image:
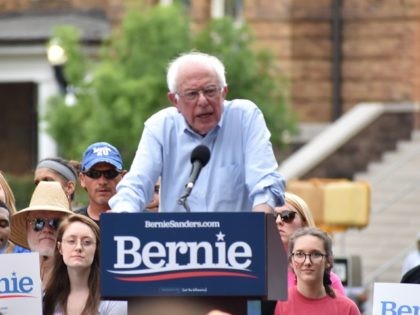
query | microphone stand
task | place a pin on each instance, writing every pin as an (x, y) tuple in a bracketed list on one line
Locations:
[(199, 158), (183, 201)]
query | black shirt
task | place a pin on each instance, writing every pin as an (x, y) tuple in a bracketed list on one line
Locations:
[(83, 211)]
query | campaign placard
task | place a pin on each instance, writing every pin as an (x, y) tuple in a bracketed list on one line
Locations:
[(20, 284), (396, 298), (183, 254)]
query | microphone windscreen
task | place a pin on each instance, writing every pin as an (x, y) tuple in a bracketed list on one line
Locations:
[(200, 153)]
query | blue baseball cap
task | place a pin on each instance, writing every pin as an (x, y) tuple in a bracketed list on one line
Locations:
[(101, 152)]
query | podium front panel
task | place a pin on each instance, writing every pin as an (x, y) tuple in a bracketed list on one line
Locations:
[(183, 254)]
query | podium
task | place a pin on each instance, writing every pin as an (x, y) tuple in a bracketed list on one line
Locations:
[(191, 263)]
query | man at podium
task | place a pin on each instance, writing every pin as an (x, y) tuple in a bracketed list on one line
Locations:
[(219, 147)]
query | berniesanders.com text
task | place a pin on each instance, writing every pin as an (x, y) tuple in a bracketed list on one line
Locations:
[(180, 224)]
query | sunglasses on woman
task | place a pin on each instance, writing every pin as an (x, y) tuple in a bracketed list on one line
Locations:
[(39, 223), (287, 216)]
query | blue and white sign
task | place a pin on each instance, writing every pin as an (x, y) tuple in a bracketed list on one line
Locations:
[(183, 254), (20, 284), (396, 298)]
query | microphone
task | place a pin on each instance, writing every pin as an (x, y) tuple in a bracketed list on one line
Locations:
[(199, 158)]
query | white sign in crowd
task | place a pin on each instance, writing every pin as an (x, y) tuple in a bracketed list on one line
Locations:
[(20, 284), (396, 299)]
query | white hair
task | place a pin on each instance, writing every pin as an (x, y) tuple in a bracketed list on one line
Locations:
[(193, 57)]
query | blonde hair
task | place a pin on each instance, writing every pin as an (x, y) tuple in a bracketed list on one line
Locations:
[(301, 207), (10, 200)]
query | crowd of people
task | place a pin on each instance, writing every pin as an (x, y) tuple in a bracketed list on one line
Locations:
[(241, 175)]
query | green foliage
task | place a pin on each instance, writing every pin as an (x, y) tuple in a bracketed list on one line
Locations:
[(127, 84), (22, 187), (125, 87)]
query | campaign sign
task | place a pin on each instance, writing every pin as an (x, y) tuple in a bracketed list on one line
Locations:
[(396, 298), (20, 284), (182, 254)]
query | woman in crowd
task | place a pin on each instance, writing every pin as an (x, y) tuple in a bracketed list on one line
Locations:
[(58, 170), (6, 246), (74, 286), (293, 215), (7, 209), (310, 257), (6, 194)]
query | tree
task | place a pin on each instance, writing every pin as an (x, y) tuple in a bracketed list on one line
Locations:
[(119, 91)]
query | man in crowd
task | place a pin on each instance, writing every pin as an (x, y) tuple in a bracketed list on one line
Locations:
[(35, 227), (101, 171)]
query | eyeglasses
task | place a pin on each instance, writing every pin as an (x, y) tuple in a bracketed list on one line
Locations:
[(39, 223), (287, 216), (314, 257), (208, 92), (108, 174), (85, 243)]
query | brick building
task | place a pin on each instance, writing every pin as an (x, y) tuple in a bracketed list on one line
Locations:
[(369, 47), (336, 53)]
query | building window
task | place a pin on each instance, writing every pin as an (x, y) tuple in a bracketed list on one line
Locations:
[(185, 3), (221, 8), (234, 8)]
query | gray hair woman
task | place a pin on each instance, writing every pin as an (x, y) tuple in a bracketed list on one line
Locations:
[(58, 170)]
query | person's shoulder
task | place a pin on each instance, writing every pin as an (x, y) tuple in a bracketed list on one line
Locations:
[(14, 249), (82, 210), (113, 307), (167, 113), (19, 249), (336, 283), (292, 291), (240, 104), (241, 109), (345, 300), (164, 120), (413, 253)]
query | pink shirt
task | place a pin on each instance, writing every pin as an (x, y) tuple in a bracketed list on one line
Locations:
[(299, 304)]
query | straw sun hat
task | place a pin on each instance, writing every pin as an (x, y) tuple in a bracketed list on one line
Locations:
[(47, 196)]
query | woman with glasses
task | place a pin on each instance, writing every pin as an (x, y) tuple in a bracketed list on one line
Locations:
[(74, 285), (35, 227), (293, 215), (310, 257)]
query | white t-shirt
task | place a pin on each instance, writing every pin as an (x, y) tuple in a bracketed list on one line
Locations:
[(107, 308), (412, 260)]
